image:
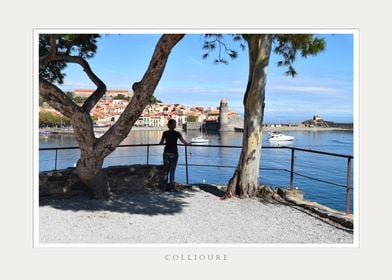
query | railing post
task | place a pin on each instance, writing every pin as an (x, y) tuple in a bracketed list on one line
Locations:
[(292, 169), (55, 161), (348, 186), (186, 164), (148, 152)]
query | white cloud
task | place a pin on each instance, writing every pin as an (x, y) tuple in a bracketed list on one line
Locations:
[(312, 84), (197, 62), (306, 108), (239, 82), (305, 89), (70, 85), (201, 90)]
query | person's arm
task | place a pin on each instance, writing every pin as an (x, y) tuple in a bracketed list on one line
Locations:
[(162, 139), (183, 140)]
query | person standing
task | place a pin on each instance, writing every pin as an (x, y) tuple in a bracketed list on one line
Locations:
[(170, 154)]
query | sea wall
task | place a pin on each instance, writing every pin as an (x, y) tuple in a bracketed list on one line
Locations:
[(192, 125), (65, 183)]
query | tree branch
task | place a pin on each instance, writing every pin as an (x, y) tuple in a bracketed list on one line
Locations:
[(57, 98), (45, 59), (93, 99)]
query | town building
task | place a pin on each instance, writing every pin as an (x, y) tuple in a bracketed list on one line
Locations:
[(109, 92), (109, 109)]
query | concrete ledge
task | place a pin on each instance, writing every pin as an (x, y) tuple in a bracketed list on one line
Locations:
[(321, 210), (295, 197)]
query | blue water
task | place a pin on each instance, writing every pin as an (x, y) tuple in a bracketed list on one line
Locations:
[(323, 167)]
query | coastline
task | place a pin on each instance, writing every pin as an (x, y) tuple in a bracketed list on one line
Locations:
[(266, 128), (290, 128)]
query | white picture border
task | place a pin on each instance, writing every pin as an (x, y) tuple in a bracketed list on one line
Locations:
[(21, 260)]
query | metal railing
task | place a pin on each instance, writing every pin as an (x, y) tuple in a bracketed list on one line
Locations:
[(348, 181), (292, 172)]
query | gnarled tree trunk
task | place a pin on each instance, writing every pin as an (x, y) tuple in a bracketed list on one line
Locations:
[(245, 179), (93, 150)]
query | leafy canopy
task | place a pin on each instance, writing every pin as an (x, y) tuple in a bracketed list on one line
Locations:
[(288, 46), (83, 45)]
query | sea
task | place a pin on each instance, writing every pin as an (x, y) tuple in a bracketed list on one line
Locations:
[(322, 178)]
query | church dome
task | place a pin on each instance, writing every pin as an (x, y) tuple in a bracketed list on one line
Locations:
[(223, 101)]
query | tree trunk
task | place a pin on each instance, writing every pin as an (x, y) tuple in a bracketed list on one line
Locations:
[(245, 180), (89, 171), (89, 166)]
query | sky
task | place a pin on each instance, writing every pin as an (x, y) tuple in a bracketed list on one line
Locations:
[(323, 86)]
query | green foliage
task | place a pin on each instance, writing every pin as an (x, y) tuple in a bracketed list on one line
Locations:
[(154, 100), (288, 46), (41, 100), (214, 42), (53, 72), (121, 97), (69, 94), (48, 119), (79, 99), (191, 119), (83, 45)]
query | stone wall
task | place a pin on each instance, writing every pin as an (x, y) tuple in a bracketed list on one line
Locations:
[(65, 183), (193, 126)]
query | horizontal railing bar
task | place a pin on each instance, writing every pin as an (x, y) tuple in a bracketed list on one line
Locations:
[(269, 169), (58, 148), (208, 165), (319, 152), (319, 180), (229, 146), (144, 145), (120, 146), (211, 146), (231, 166), (214, 146), (274, 169)]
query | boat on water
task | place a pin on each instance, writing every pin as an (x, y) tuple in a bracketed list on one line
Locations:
[(201, 139), (44, 134), (276, 136)]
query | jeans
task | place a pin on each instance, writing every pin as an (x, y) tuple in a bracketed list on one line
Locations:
[(169, 168)]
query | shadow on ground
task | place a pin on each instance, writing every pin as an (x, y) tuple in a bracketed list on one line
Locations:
[(219, 193), (145, 203), (211, 189)]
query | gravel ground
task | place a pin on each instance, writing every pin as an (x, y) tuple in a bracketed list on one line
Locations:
[(189, 216)]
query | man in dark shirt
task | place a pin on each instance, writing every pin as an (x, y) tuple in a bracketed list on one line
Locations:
[(170, 154)]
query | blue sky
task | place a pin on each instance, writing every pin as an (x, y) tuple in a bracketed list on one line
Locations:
[(323, 86)]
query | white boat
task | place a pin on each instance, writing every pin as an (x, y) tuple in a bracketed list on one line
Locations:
[(199, 139), (275, 136), (44, 134)]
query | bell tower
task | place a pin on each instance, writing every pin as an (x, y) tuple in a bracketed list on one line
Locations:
[(223, 115)]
